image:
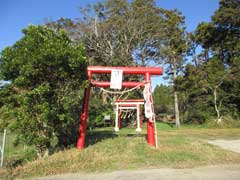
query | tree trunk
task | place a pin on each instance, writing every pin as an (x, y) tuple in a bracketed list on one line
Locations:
[(95, 26), (219, 119), (176, 109), (186, 116), (177, 121)]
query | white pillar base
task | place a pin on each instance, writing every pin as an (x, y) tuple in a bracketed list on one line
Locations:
[(116, 129), (139, 129)]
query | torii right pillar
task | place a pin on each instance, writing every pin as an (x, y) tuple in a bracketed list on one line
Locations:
[(150, 123)]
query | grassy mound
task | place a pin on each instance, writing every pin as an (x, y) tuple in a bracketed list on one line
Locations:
[(107, 151)]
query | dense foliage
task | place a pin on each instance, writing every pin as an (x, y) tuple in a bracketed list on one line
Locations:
[(46, 71), (163, 99), (210, 86)]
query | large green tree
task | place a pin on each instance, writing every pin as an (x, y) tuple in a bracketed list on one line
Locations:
[(135, 33), (202, 93), (119, 33), (216, 69), (175, 52), (221, 35), (46, 71), (221, 38)]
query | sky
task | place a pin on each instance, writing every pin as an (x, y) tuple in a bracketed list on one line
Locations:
[(18, 14)]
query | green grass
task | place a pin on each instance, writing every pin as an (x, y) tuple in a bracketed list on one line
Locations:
[(108, 151), (16, 154), (10, 149)]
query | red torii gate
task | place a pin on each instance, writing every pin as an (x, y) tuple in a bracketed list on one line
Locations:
[(146, 71)]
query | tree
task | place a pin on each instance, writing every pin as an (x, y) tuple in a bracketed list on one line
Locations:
[(221, 35), (210, 85), (163, 99), (220, 38), (215, 76), (125, 33), (175, 50), (193, 99), (119, 33), (72, 28), (46, 70), (136, 33), (202, 87)]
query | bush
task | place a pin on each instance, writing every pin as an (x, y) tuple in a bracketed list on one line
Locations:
[(27, 155), (226, 122), (46, 70), (97, 111)]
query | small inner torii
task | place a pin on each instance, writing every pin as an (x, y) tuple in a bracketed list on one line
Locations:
[(147, 93), (128, 104)]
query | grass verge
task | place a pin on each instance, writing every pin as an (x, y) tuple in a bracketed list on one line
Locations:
[(107, 151)]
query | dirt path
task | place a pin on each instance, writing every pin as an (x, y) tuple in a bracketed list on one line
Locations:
[(232, 145), (228, 172)]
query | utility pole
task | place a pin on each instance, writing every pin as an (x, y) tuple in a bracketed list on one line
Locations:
[(2, 148)]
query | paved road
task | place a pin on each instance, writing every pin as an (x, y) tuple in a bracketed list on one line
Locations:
[(232, 145), (228, 172)]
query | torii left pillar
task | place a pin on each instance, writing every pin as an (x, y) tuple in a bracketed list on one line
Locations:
[(83, 119)]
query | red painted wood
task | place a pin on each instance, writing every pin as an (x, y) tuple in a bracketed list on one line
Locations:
[(83, 120), (124, 84), (150, 124), (126, 70)]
